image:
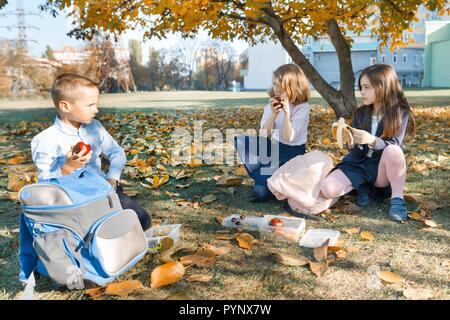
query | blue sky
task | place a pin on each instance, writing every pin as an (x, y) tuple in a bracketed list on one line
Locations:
[(53, 31)]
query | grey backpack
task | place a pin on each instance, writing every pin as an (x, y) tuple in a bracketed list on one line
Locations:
[(73, 229)]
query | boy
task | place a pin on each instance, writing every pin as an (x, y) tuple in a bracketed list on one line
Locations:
[(75, 98)]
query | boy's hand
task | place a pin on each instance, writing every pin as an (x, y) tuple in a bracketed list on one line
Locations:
[(113, 182), (75, 161)]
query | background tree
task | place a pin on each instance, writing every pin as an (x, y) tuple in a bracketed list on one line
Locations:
[(258, 20), (223, 59), (190, 51), (3, 3), (48, 53), (135, 51)]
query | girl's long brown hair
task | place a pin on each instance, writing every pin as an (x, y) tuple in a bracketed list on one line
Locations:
[(291, 78), (390, 95)]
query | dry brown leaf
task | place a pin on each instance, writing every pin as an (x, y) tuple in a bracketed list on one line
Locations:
[(351, 208), (418, 294), (159, 181), (419, 167), (123, 288), (334, 248), (412, 197), (166, 274), (353, 230), (209, 198), (225, 181), (130, 192), (245, 241), (416, 216), (341, 254), (179, 246), (172, 194), (179, 174), (289, 259), (229, 190), (202, 259), (318, 268), (218, 219), (165, 244), (389, 277), (14, 196), (95, 292), (219, 248), (227, 236), (321, 253), (431, 205), (366, 235), (16, 160), (15, 183), (352, 249), (430, 223), (240, 171), (200, 278), (133, 152), (182, 186)]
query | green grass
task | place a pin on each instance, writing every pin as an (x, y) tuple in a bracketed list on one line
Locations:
[(416, 253), (13, 110)]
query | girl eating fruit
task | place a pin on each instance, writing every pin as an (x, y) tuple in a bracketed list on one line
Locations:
[(375, 165), (285, 119)]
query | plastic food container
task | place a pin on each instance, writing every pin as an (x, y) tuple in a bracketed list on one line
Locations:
[(155, 234), (251, 223), (314, 238), (292, 228)]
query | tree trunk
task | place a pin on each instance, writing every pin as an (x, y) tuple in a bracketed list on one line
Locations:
[(346, 74), (342, 101)]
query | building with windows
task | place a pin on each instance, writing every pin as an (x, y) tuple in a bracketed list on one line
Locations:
[(437, 48), (408, 61)]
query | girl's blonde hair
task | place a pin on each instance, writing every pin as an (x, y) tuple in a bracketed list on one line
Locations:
[(292, 80), (389, 93)]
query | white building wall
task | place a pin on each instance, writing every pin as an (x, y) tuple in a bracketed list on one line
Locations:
[(263, 60)]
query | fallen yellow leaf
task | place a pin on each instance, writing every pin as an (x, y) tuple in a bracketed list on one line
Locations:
[(389, 277), (166, 274), (318, 268), (366, 235), (245, 241), (353, 230), (200, 278), (123, 288), (289, 259)]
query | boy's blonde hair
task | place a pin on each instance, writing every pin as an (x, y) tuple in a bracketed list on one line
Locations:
[(65, 85), (291, 78)]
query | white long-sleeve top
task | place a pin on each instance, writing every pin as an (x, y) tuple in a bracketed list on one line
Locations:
[(49, 149), (299, 120)]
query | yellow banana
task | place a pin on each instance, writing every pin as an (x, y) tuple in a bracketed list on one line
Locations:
[(337, 130)]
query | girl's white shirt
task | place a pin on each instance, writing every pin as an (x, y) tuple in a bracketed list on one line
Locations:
[(375, 121), (299, 120)]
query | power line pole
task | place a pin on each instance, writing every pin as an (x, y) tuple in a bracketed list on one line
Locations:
[(21, 42)]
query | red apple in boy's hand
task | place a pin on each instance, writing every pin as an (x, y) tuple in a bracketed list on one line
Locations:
[(275, 222), (79, 146)]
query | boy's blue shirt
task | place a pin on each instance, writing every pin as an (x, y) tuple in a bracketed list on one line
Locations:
[(50, 147)]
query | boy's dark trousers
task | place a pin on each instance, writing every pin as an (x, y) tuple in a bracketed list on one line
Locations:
[(128, 203)]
